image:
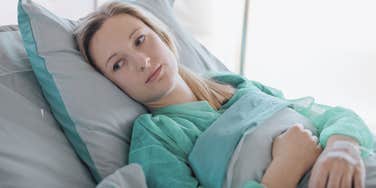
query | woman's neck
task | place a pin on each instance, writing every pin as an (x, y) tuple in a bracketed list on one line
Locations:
[(181, 93)]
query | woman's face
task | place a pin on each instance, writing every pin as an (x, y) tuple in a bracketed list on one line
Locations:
[(134, 57)]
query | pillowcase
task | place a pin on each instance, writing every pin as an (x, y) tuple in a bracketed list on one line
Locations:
[(127, 176), (33, 150), (95, 115)]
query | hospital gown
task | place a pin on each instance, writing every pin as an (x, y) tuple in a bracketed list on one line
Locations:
[(162, 140)]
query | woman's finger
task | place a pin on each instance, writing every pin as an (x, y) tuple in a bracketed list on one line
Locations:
[(358, 179), (299, 125), (334, 180), (315, 139), (318, 177), (309, 132), (347, 180)]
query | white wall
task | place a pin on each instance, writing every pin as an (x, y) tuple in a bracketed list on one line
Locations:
[(8, 12), (72, 9), (216, 24), (322, 48)]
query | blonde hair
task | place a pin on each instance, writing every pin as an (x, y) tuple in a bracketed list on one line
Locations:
[(204, 89)]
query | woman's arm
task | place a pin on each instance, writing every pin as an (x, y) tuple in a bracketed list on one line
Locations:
[(342, 135), (293, 153), (277, 175), (340, 165), (162, 168), (334, 138), (329, 120)]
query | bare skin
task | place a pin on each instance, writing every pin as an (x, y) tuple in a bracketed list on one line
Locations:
[(136, 52), (339, 166), (294, 152)]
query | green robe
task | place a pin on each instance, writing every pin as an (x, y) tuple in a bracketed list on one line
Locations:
[(161, 141)]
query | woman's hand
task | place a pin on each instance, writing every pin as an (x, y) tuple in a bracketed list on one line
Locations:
[(297, 145), (295, 150), (339, 166)]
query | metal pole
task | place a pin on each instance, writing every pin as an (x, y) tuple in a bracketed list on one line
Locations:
[(95, 4), (244, 37)]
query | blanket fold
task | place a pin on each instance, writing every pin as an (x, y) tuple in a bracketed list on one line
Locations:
[(213, 150)]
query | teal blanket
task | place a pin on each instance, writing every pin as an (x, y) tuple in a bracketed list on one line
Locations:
[(214, 148), (236, 149), (172, 140)]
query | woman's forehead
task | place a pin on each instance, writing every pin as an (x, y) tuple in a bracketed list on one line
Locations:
[(122, 22), (114, 31), (117, 27)]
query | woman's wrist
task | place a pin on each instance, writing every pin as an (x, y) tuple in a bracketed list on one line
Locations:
[(341, 141), (275, 175)]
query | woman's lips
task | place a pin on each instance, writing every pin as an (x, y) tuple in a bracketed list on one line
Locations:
[(154, 75)]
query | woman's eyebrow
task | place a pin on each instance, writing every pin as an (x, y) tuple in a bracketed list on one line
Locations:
[(114, 54), (108, 60), (133, 32)]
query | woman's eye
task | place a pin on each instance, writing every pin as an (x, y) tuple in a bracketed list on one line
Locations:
[(117, 65), (140, 40)]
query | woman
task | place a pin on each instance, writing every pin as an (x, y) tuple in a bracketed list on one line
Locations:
[(135, 51)]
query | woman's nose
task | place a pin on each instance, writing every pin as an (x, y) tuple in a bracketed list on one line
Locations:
[(141, 62)]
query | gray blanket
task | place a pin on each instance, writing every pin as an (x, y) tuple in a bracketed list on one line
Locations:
[(253, 153)]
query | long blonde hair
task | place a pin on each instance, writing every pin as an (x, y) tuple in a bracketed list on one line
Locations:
[(204, 89)]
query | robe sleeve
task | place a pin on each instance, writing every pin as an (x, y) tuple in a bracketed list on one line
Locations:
[(253, 184), (328, 120), (162, 168)]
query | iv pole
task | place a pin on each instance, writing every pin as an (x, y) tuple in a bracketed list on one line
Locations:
[(244, 37)]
